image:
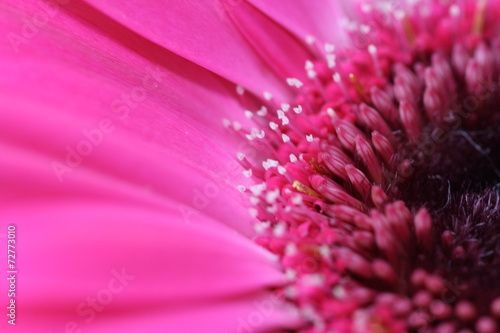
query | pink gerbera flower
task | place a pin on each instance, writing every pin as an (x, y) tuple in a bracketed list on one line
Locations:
[(365, 143)]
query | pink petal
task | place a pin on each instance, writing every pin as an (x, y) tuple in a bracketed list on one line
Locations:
[(140, 267), (282, 51), (317, 18), (162, 149), (200, 32)]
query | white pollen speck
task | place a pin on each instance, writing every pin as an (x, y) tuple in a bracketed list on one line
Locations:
[(330, 112), (285, 121), (255, 133), (290, 249), (279, 229), (247, 173), (267, 95), (262, 111), (254, 200), (253, 212), (339, 292), (281, 114), (290, 274), (260, 227), (372, 49), (236, 126), (285, 107), (258, 189), (309, 67), (364, 29), (271, 196), (366, 8), (273, 125), (349, 25), (226, 122), (285, 138), (297, 200), (240, 156), (297, 109), (313, 279), (240, 90), (273, 163), (241, 188), (329, 47), (337, 78), (309, 138), (331, 60), (325, 251), (248, 114), (454, 10), (293, 158), (399, 14), (293, 82), (272, 209), (281, 170), (310, 39)]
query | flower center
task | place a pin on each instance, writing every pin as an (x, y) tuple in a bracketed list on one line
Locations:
[(378, 190)]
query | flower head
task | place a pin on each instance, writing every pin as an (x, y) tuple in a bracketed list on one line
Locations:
[(378, 189), (369, 156)]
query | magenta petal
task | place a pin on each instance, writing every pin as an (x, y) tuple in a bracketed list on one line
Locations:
[(106, 266), (200, 32), (320, 19), (159, 146), (285, 54)]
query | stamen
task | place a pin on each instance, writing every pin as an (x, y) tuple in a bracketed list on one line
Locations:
[(479, 18), (240, 90), (267, 95), (357, 85), (305, 189), (372, 49), (408, 30)]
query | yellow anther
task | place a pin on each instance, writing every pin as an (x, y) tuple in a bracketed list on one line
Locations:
[(408, 30), (316, 165), (479, 18), (358, 86), (305, 189)]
